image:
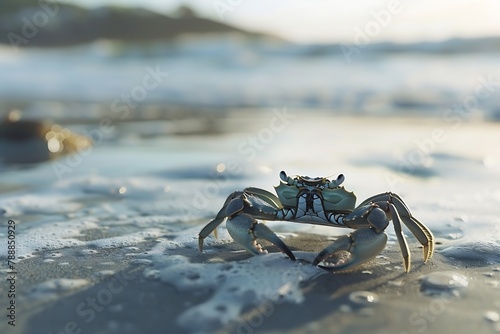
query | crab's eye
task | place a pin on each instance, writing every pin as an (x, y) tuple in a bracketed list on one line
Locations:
[(337, 182), (283, 176)]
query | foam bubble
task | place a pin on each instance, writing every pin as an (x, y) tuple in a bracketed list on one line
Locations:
[(131, 239), (49, 236), (443, 283), (236, 285), (474, 253), (141, 262), (363, 298), (37, 204), (189, 238), (87, 252)]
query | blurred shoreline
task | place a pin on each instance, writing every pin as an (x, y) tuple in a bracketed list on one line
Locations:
[(217, 73), (84, 112)]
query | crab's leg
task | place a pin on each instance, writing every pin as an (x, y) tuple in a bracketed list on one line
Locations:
[(419, 230), (266, 196), (244, 229), (233, 204), (396, 221), (209, 228)]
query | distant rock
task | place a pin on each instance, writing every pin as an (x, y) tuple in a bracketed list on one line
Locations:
[(63, 25)]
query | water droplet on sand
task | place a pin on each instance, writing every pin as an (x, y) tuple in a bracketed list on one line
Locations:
[(454, 236), (443, 283), (396, 283), (363, 298), (492, 316), (473, 253), (493, 283)]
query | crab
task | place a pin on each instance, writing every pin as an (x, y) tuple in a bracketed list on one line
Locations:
[(320, 201)]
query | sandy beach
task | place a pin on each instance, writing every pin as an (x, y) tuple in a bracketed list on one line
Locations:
[(119, 296), (115, 251)]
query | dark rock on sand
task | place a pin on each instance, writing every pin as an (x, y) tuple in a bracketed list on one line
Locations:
[(32, 141)]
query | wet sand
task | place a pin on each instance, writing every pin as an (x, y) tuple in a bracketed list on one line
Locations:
[(123, 300), (93, 260)]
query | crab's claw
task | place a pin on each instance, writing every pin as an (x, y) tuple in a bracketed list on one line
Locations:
[(362, 245), (244, 229)]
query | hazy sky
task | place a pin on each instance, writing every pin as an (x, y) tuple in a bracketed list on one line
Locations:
[(343, 20)]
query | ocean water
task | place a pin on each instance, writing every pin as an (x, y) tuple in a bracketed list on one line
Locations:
[(232, 117), (236, 72)]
